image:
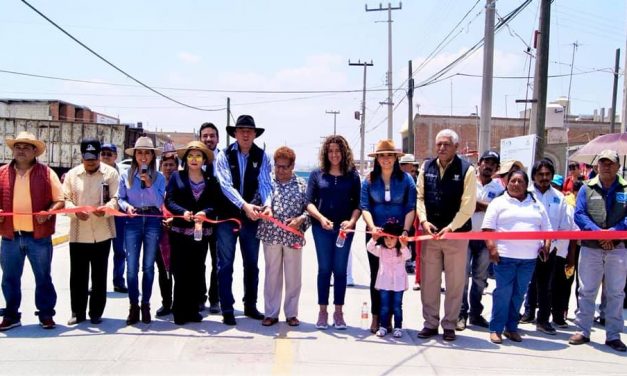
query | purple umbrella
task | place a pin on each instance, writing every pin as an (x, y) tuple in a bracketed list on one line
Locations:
[(613, 141)]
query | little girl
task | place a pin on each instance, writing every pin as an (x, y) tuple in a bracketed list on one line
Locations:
[(392, 277)]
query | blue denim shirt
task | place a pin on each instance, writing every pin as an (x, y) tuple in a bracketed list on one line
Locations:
[(138, 197), (402, 199), (583, 220)]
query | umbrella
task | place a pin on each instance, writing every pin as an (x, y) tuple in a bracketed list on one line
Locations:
[(613, 141)]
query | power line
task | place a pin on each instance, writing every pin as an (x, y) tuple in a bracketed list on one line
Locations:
[(113, 65)]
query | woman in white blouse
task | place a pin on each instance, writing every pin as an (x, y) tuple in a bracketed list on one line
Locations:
[(515, 210)]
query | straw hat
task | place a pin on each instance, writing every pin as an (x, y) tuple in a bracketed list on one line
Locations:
[(408, 159), (27, 138), (508, 165), (196, 145), (385, 147), (143, 143)]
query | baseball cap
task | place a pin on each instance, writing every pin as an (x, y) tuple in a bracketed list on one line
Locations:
[(490, 154), (558, 180), (612, 155), (111, 147), (90, 148)]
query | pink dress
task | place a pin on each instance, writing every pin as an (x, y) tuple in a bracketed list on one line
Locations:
[(392, 275)]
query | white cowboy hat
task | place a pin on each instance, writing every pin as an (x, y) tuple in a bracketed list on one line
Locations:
[(143, 143), (27, 138)]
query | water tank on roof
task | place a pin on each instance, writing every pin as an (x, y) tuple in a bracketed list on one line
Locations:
[(554, 116)]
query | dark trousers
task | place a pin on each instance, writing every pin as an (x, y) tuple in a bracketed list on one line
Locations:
[(119, 253), (187, 258), (539, 291), (165, 282), (84, 256), (375, 296), (391, 303), (561, 289), (214, 294)]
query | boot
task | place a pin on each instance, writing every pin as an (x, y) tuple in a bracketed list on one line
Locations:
[(133, 315), (146, 313)]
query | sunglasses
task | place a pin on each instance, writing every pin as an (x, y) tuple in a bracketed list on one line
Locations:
[(194, 157)]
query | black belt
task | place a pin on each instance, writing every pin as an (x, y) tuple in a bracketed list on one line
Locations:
[(148, 210), (23, 233)]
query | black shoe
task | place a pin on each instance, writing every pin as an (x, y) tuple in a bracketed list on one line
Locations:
[(527, 318), (96, 320), (201, 307), (461, 324), (253, 313), (214, 308), (560, 323), (546, 327), (76, 319), (600, 320), (616, 344), (228, 319), (427, 332), (196, 317), (163, 311), (479, 321), (449, 335), (120, 289)]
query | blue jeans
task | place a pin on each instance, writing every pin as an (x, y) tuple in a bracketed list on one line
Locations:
[(512, 278), (477, 269), (596, 265), (331, 260), (39, 253), (249, 246), (146, 231), (119, 254), (391, 303)]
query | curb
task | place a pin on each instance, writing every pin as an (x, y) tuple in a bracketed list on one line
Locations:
[(60, 239)]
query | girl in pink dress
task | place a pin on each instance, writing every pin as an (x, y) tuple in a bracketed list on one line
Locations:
[(391, 281)]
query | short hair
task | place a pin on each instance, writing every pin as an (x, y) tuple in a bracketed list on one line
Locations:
[(285, 153), (209, 125), (540, 164), (450, 134)]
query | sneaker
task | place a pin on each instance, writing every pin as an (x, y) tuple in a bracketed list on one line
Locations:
[(381, 332), (398, 333), (545, 327), (479, 321), (527, 318), (76, 319), (47, 323), (461, 324), (9, 323), (323, 320), (338, 321)]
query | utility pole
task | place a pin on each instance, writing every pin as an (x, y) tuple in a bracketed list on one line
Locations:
[(614, 92), (410, 113), (570, 81), (538, 109), (228, 120), (389, 101), (486, 88), (622, 119), (362, 116), (334, 113)]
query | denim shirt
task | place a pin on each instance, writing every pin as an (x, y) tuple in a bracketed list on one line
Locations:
[(402, 199), (140, 197)]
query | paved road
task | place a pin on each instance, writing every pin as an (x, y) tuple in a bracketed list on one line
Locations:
[(210, 347)]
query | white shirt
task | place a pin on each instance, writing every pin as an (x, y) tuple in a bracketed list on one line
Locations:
[(556, 208), (506, 213), (485, 193)]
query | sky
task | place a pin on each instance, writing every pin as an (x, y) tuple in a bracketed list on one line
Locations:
[(303, 48)]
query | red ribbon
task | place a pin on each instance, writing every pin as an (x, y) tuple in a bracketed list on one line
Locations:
[(285, 227)]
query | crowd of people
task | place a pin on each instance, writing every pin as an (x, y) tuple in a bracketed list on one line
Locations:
[(201, 201)]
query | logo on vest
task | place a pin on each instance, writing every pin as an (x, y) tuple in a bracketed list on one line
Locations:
[(255, 164), (430, 175), (456, 177), (621, 197)]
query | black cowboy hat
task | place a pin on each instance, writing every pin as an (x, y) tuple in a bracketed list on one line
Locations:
[(244, 121)]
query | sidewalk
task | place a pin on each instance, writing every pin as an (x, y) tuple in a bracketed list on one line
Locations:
[(211, 347)]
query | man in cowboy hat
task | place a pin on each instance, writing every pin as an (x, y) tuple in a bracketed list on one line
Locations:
[(27, 186), (90, 184), (109, 156), (601, 206), (244, 173), (409, 165), (210, 136), (446, 200)]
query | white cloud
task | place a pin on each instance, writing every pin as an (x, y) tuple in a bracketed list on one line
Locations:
[(188, 57)]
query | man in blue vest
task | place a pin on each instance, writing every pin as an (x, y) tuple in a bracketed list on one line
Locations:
[(446, 201), (244, 173), (602, 206)]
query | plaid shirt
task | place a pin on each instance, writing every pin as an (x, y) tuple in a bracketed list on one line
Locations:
[(288, 200)]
